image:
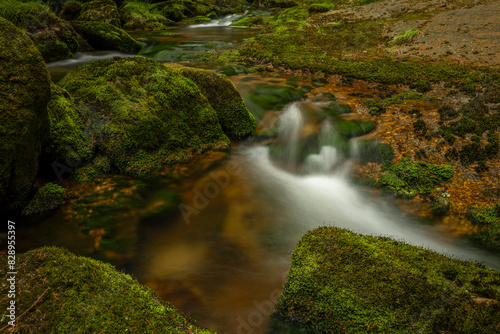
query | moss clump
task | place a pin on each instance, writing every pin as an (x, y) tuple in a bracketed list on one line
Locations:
[(143, 16), (55, 38), (341, 282), (320, 8), (73, 294), (488, 218), (104, 11), (24, 94), (185, 9), (235, 119), (419, 127), (49, 197), (67, 140), (410, 178), (143, 115), (105, 36), (350, 129)]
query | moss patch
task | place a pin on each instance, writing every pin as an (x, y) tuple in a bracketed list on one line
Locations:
[(235, 119), (143, 16), (408, 178), (49, 197), (67, 140), (105, 36), (24, 94), (340, 282), (61, 293), (488, 219)]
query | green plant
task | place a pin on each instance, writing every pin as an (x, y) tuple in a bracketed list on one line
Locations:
[(404, 37)]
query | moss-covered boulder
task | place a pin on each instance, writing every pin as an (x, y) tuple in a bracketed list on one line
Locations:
[(143, 115), (143, 16), (341, 282), (236, 121), (24, 94), (105, 36), (104, 11), (75, 294), (54, 38), (67, 140)]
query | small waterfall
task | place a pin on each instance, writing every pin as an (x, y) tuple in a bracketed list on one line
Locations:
[(290, 124), (223, 22), (322, 194)]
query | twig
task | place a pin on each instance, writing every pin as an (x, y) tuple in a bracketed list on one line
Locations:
[(1, 329)]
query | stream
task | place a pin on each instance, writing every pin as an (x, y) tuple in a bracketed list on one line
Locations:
[(224, 257)]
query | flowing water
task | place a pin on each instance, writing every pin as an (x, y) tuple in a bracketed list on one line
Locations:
[(224, 257)]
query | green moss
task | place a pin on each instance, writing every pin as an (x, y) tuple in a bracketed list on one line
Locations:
[(235, 119), (67, 140), (419, 127), (270, 97), (370, 151), (92, 171), (49, 197), (143, 115), (105, 36), (336, 109), (24, 94), (350, 129), (81, 295), (104, 11), (54, 38), (143, 16), (320, 8), (341, 282), (408, 179), (488, 218)]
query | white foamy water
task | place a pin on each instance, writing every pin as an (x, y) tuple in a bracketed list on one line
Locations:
[(323, 195), (223, 22), (83, 58)]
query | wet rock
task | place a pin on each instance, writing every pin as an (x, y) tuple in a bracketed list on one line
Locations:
[(24, 94), (343, 282)]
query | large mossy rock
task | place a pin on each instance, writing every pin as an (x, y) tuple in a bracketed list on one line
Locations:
[(55, 38), (236, 121), (104, 11), (106, 36), (75, 294), (142, 115), (24, 94), (143, 16), (341, 282)]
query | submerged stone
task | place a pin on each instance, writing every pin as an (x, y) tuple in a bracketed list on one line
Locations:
[(341, 282), (24, 94), (63, 285)]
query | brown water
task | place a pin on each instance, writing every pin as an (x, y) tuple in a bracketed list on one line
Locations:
[(225, 255)]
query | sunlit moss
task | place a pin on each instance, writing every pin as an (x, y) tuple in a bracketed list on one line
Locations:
[(75, 294), (341, 282)]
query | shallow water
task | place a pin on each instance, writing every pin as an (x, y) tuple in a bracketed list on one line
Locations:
[(224, 257)]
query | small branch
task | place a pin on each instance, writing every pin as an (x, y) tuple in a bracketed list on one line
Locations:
[(36, 302)]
